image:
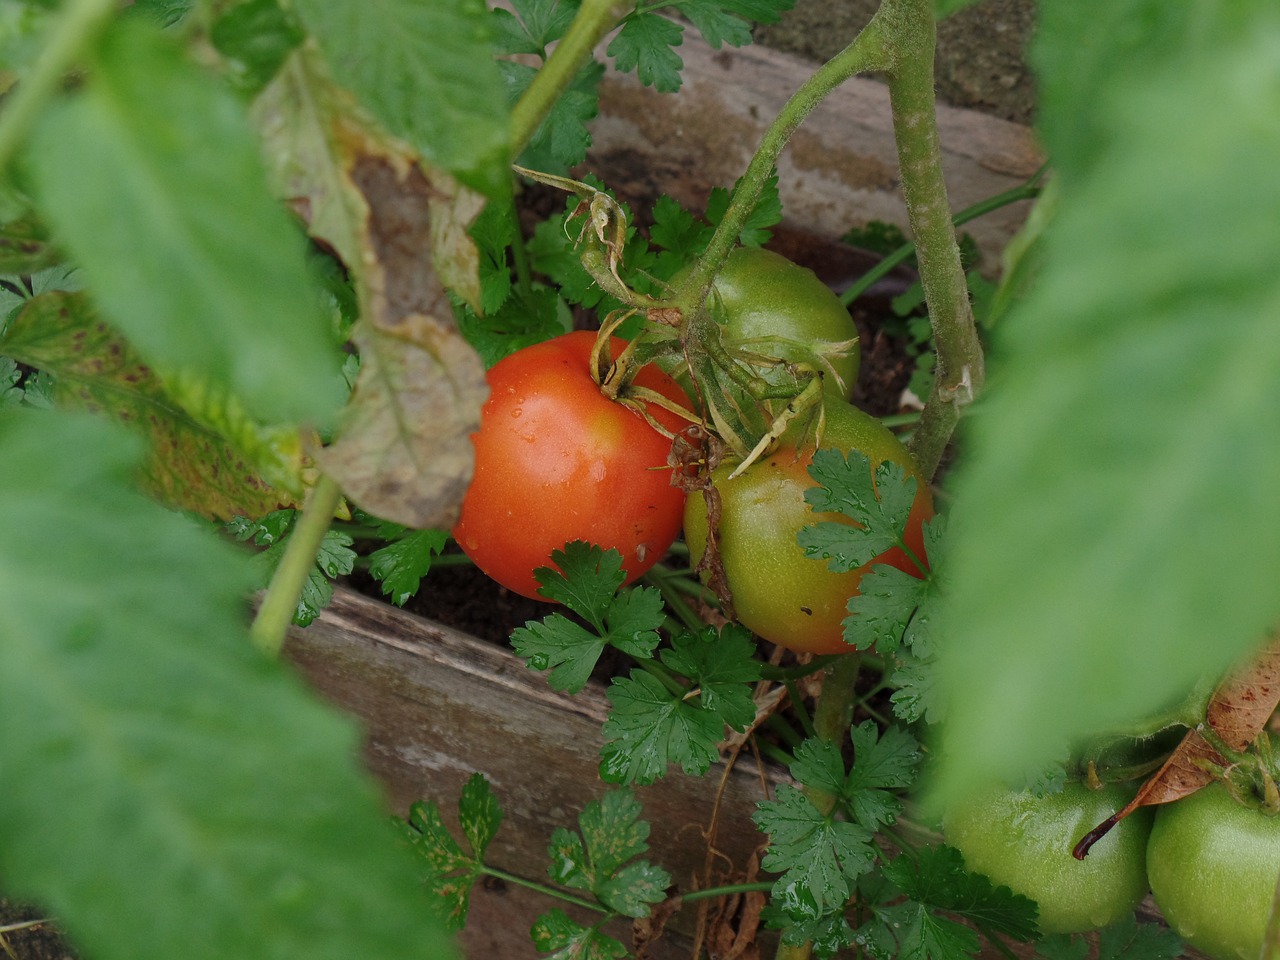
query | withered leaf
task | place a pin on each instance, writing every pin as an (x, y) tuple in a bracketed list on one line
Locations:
[(1237, 712), (205, 454), (404, 450)]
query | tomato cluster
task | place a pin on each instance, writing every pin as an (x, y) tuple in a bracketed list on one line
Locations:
[(1211, 862), (556, 460)]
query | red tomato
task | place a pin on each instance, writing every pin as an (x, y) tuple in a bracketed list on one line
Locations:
[(557, 461)]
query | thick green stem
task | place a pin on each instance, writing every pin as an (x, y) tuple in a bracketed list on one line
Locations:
[(865, 53), (595, 18), (74, 30), (911, 27), (281, 600)]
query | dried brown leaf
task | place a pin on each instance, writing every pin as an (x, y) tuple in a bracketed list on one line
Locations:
[(647, 931), (1237, 713), (404, 451)]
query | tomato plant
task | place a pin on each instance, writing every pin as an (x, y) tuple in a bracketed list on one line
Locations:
[(1214, 863), (777, 308), (1025, 841), (556, 461), (779, 592)]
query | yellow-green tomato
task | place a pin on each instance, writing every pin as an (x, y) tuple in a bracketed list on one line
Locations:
[(778, 592), (768, 300), (1024, 842), (1214, 864)]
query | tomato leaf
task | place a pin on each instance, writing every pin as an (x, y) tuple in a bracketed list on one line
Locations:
[(129, 687), (818, 856), (1111, 481), (612, 834), (570, 940), (451, 873), (153, 156), (400, 566), (205, 453), (878, 501), (426, 72)]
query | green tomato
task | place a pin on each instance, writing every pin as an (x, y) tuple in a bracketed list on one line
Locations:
[(1214, 864), (767, 301), (778, 592), (1024, 842)]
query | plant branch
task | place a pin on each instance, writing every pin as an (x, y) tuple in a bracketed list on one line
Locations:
[(281, 600), (867, 52), (912, 31), (595, 18), (72, 33), (1024, 191), (543, 889)]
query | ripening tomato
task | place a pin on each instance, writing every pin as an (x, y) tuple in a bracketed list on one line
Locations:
[(1024, 842), (778, 592), (1214, 864), (557, 461), (777, 308)]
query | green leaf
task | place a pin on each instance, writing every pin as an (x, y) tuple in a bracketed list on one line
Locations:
[(426, 72), (882, 608), (818, 857), (255, 36), (157, 189), (1111, 482), (204, 781), (563, 138), (644, 45), (556, 643), (450, 873), (586, 581), (1130, 940), (334, 558), (878, 502), (532, 25), (569, 940), (766, 213), (205, 454), (649, 728), (400, 566), (612, 834), (10, 392), (719, 665)]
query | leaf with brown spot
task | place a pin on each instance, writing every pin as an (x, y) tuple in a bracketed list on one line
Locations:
[(205, 455), (1237, 713), (404, 450)]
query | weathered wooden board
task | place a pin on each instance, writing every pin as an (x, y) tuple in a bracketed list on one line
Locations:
[(840, 169), (439, 705)]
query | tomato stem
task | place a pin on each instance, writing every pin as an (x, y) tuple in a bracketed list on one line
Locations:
[(912, 32), (595, 18), (281, 599)]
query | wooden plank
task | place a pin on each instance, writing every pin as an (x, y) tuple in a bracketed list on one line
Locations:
[(438, 705), (840, 169)]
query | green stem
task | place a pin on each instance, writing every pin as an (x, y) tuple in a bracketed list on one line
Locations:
[(281, 600), (728, 890), (668, 584), (71, 34), (1024, 191), (866, 52), (595, 18), (912, 29), (664, 676), (542, 888)]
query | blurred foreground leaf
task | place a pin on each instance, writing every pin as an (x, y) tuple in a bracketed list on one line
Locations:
[(1117, 537), (168, 792)]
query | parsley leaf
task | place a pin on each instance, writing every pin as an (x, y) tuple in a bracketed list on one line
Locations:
[(611, 834), (818, 856), (400, 566), (880, 611), (651, 726), (449, 872), (766, 212), (532, 25), (334, 558), (562, 139), (587, 584), (936, 883), (1124, 940), (644, 45), (879, 502), (570, 940)]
